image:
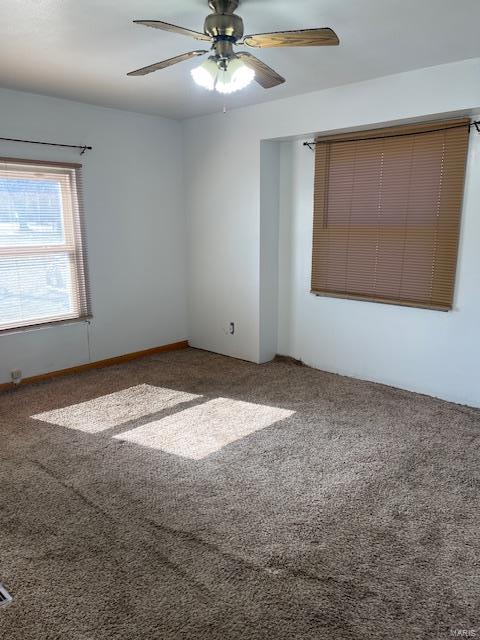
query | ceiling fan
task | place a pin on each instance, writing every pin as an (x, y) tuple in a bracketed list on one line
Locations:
[(227, 70)]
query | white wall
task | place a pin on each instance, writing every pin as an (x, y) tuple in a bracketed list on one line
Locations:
[(269, 238), (225, 192), (133, 186), (432, 352)]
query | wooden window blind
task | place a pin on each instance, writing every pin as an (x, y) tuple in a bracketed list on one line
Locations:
[(387, 208), (42, 251)]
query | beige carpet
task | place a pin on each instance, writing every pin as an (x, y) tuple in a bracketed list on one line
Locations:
[(193, 496)]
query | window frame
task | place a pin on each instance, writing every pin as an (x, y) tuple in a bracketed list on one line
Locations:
[(68, 176)]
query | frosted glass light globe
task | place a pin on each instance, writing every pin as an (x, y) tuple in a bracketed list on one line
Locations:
[(234, 78), (206, 74)]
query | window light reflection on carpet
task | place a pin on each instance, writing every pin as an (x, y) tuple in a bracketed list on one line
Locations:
[(114, 409), (203, 429)]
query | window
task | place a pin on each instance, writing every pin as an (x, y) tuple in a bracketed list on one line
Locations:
[(42, 261), (387, 213)]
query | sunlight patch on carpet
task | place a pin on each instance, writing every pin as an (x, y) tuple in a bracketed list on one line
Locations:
[(116, 408), (198, 431)]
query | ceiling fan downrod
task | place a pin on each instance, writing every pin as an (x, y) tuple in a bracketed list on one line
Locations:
[(223, 6)]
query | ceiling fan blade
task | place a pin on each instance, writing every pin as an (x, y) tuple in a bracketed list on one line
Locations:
[(264, 75), (301, 38), (167, 63), (165, 26)]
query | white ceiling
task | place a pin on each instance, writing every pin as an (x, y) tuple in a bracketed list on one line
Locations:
[(83, 49)]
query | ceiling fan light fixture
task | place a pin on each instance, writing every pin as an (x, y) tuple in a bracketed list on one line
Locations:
[(206, 74), (237, 76)]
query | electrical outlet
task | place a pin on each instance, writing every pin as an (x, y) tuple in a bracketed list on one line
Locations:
[(229, 329), (16, 375)]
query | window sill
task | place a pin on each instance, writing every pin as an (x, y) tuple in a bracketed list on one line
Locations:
[(45, 325)]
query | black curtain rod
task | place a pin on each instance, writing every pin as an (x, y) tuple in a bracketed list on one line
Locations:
[(475, 123), (83, 147)]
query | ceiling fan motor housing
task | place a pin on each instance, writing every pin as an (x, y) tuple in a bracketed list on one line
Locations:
[(224, 26)]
